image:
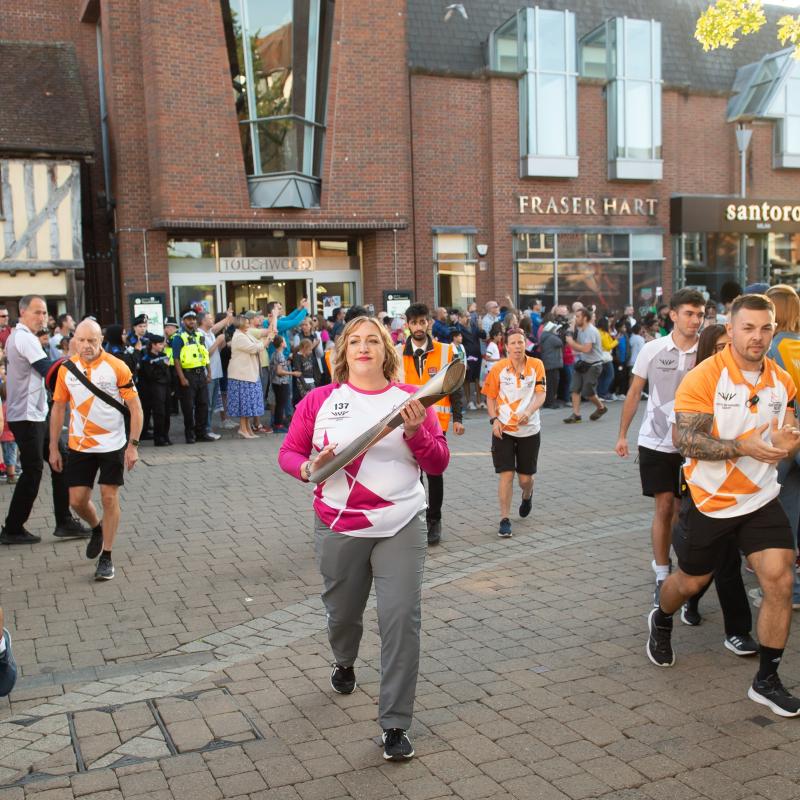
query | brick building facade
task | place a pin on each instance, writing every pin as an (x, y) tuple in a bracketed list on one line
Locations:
[(402, 173)]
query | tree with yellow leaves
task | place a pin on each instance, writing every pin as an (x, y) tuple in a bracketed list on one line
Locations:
[(722, 24)]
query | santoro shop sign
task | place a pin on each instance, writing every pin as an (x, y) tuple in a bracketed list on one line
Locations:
[(703, 214)]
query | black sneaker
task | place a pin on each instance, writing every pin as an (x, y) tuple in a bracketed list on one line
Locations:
[(71, 528), (105, 569), (343, 679), (504, 531), (659, 644), (396, 745), (525, 506), (572, 419), (690, 615), (8, 666), (771, 693), (434, 531), (741, 645), (95, 545), (23, 537)]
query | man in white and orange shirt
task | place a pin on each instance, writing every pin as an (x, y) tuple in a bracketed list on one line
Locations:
[(734, 424), (515, 391), (97, 441)]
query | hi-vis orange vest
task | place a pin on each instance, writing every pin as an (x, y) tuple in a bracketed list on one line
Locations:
[(329, 360), (435, 359)]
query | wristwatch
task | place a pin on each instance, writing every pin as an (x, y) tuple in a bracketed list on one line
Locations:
[(134, 442), (492, 420)]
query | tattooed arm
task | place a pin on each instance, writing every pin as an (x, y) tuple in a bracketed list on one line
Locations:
[(694, 439)]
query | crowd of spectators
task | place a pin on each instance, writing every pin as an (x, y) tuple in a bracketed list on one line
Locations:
[(260, 363)]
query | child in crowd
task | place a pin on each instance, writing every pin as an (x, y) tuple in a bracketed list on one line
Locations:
[(9, 446)]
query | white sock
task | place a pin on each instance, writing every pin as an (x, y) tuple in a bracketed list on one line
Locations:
[(2, 642), (661, 570)]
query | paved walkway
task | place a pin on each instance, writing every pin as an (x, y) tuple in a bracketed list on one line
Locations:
[(202, 670)]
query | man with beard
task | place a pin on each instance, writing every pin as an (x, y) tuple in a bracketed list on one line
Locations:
[(420, 359)]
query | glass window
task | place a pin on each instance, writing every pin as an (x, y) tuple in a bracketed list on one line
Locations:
[(721, 264), (191, 248), (333, 294), (534, 245), (193, 296), (504, 47), (610, 270), (455, 270), (536, 280), (547, 90), (602, 283), (456, 284), (632, 64), (647, 280), (278, 53), (647, 245), (783, 252), (593, 54)]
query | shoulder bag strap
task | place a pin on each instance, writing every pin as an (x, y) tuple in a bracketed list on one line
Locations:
[(72, 367)]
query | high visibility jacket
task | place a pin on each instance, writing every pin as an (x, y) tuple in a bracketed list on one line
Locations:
[(193, 352), (329, 354), (434, 360), (168, 353)]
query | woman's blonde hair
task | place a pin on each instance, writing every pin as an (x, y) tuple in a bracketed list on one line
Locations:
[(391, 361), (239, 321), (787, 307)]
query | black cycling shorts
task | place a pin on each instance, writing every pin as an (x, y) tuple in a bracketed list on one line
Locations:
[(515, 453), (700, 540), (81, 468), (660, 472)]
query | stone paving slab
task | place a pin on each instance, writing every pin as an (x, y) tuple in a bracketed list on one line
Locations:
[(533, 681)]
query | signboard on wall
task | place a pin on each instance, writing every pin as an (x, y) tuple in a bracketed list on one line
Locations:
[(714, 214), (396, 302), (153, 306), (238, 265)]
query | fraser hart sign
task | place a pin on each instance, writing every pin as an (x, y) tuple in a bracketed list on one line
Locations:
[(580, 205)]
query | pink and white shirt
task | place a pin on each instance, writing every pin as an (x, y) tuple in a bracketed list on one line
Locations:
[(380, 492)]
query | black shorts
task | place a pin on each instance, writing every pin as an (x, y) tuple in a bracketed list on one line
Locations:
[(473, 370), (515, 453), (81, 468), (660, 472), (700, 540)]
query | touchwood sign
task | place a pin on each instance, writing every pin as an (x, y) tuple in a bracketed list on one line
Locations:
[(242, 264)]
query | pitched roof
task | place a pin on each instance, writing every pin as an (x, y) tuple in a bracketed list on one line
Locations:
[(456, 46), (44, 106)]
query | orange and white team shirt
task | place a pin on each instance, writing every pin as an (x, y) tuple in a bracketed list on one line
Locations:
[(94, 426), (737, 486), (514, 392)]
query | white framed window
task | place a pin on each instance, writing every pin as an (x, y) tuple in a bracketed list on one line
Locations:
[(785, 108), (548, 96), (454, 268), (632, 67), (540, 44)]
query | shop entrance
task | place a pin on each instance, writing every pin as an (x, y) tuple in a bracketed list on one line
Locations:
[(254, 295)]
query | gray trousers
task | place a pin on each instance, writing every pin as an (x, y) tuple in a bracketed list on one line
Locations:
[(349, 565)]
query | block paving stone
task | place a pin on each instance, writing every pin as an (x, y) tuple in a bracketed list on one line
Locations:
[(533, 680)]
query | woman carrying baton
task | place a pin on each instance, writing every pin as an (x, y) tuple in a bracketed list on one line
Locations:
[(369, 516)]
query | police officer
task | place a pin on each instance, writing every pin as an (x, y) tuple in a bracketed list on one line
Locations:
[(193, 368), (170, 329), (154, 386)]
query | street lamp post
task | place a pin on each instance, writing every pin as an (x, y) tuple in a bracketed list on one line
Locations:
[(743, 136)]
